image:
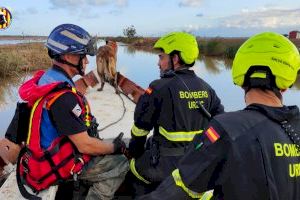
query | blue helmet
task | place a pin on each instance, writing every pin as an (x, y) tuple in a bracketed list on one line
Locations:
[(70, 38)]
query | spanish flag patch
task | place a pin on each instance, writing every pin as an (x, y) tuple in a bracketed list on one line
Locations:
[(212, 134), (149, 90)]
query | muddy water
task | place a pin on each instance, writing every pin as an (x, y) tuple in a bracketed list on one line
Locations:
[(141, 67)]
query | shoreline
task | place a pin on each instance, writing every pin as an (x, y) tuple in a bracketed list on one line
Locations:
[(20, 37)]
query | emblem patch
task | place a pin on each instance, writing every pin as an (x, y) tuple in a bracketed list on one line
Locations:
[(77, 110)]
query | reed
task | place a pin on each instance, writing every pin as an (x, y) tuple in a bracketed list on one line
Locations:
[(26, 57), (217, 46), (220, 47), (20, 58)]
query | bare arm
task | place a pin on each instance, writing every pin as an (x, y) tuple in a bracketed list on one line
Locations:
[(89, 145)]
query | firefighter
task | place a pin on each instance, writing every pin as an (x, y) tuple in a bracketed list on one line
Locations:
[(63, 138), (252, 153), (177, 106)]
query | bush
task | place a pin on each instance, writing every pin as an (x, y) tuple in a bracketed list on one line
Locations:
[(214, 48), (129, 32), (231, 51)]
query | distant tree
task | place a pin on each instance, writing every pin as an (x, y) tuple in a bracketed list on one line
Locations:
[(129, 32)]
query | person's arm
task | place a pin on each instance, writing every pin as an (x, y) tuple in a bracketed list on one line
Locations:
[(216, 105), (145, 116), (65, 113), (89, 145), (199, 170)]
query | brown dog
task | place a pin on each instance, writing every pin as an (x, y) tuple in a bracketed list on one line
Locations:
[(106, 60)]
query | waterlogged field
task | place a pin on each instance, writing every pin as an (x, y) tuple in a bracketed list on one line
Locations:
[(18, 58)]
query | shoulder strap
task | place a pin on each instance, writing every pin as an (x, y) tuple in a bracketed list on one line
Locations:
[(287, 126)]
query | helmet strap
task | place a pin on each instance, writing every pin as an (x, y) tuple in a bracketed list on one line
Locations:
[(171, 63), (79, 66), (169, 71), (267, 83)]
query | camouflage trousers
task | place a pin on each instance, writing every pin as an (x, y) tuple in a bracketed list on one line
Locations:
[(106, 173)]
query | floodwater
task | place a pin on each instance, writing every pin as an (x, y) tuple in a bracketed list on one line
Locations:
[(3, 42), (141, 67)]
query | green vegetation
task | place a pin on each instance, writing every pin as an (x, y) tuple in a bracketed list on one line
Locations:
[(20, 58), (129, 32), (216, 47), (221, 47), (24, 57)]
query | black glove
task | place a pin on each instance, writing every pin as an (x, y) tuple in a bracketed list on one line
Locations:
[(119, 144), (92, 129)]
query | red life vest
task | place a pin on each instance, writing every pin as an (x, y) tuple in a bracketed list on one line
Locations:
[(41, 168)]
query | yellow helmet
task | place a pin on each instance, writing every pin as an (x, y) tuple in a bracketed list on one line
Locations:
[(185, 43), (270, 50)]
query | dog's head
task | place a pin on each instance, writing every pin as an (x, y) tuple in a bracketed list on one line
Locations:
[(113, 44)]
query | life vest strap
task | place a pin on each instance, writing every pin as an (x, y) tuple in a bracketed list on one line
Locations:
[(20, 182)]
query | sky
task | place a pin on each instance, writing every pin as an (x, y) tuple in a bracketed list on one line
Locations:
[(206, 18)]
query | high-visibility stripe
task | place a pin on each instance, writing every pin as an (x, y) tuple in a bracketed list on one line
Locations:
[(138, 131), (30, 120), (133, 170), (57, 44), (74, 90), (178, 182), (207, 195), (74, 37), (87, 116), (212, 135), (181, 136), (201, 196)]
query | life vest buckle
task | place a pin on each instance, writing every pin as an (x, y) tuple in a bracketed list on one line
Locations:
[(73, 167)]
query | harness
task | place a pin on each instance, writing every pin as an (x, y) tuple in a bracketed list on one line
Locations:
[(40, 168)]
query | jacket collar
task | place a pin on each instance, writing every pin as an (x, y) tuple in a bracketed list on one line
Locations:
[(278, 114), (185, 71), (61, 70)]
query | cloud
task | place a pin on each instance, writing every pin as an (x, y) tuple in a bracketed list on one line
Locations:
[(71, 4), (19, 14), (191, 28), (263, 18), (247, 22), (199, 15), (190, 3)]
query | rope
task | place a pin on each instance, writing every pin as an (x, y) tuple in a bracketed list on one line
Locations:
[(123, 114)]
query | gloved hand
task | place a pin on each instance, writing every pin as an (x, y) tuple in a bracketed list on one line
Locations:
[(92, 129), (119, 144)]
